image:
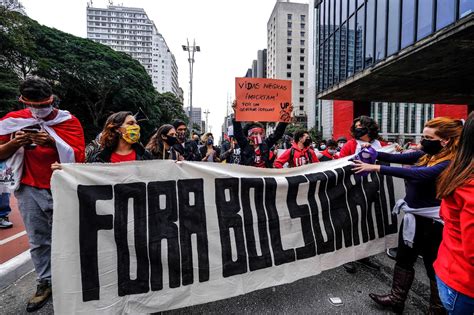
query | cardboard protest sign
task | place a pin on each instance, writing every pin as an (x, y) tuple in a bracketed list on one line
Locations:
[(263, 99), (150, 236)]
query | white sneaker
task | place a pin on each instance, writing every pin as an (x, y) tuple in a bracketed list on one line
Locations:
[(4, 223)]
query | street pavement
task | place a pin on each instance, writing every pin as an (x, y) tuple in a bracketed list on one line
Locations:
[(306, 296)]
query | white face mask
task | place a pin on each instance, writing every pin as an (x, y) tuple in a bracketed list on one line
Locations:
[(41, 112)]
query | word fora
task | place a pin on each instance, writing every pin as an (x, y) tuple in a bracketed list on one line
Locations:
[(329, 218)]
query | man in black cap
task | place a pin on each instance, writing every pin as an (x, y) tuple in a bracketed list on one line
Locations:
[(185, 147)]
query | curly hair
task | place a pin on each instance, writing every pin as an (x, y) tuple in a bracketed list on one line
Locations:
[(446, 128), (110, 136), (155, 144), (370, 124), (35, 88)]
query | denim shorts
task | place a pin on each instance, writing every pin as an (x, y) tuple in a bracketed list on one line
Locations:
[(453, 301)]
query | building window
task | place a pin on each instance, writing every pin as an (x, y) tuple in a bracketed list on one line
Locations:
[(290, 16), (302, 75), (289, 24), (303, 26), (393, 27), (302, 58), (288, 41), (301, 83), (302, 42), (301, 107), (444, 13), (301, 92), (301, 99), (288, 74), (288, 58), (301, 50), (425, 13), (408, 23), (301, 67), (465, 7), (302, 34), (289, 33), (288, 66), (303, 18), (380, 40), (369, 33)]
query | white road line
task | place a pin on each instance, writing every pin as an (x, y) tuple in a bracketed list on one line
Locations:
[(11, 238)]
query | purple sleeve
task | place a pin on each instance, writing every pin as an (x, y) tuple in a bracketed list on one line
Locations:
[(404, 158), (416, 172)]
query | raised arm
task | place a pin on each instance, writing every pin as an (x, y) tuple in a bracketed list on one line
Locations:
[(277, 134)]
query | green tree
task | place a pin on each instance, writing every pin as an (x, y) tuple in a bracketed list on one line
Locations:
[(91, 79)]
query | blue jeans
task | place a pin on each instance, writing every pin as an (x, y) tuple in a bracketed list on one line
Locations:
[(5, 204), (453, 301)]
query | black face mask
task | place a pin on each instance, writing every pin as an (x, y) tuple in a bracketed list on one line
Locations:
[(431, 147), (360, 132), (182, 136), (307, 142), (171, 141)]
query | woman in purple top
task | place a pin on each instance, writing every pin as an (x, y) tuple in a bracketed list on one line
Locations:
[(440, 142)]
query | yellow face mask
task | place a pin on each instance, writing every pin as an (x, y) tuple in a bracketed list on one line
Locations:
[(131, 134)]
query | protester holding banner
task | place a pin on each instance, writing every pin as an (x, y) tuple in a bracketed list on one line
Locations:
[(330, 153), (365, 131), (187, 148), (161, 144), (454, 266), (209, 152), (120, 140), (422, 227), (33, 139), (300, 153)]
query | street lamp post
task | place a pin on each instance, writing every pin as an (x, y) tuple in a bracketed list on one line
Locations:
[(191, 50)]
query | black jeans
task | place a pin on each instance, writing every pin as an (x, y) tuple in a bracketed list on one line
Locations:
[(428, 237)]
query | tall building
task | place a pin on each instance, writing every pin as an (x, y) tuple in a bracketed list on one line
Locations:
[(259, 66), (196, 115), (130, 30), (287, 51), (401, 62)]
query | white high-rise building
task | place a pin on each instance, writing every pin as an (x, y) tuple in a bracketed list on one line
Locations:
[(131, 31), (287, 51)]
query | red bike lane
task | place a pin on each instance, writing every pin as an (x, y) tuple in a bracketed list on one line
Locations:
[(13, 241)]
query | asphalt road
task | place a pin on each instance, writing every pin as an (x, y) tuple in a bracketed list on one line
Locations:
[(306, 296)]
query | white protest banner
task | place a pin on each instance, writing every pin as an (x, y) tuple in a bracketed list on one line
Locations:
[(149, 236)]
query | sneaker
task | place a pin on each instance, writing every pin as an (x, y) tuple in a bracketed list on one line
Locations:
[(350, 267), (367, 262), (392, 253), (5, 223), (42, 295)]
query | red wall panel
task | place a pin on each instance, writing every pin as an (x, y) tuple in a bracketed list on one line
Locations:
[(451, 111), (343, 115)]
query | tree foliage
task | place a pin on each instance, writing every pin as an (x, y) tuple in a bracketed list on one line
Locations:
[(91, 79)]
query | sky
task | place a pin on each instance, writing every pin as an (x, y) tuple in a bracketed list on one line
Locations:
[(229, 33)]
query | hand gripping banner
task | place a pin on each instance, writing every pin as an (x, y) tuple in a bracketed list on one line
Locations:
[(150, 236)]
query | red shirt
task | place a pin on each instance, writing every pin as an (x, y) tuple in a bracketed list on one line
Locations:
[(300, 157), (351, 147), (117, 158), (455, 262), (37, 162)]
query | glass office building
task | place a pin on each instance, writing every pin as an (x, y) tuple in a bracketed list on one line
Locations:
[(357, 34)]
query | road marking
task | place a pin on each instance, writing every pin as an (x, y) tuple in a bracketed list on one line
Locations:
[(13, 237)]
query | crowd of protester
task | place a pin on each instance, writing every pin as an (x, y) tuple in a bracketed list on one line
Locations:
[(439, 216)]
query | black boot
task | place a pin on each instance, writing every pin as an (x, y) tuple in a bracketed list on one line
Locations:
[(42, 295), (402, 280), (436, 307)]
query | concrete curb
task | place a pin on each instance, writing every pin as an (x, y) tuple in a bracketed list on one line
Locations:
[(15, 268)]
